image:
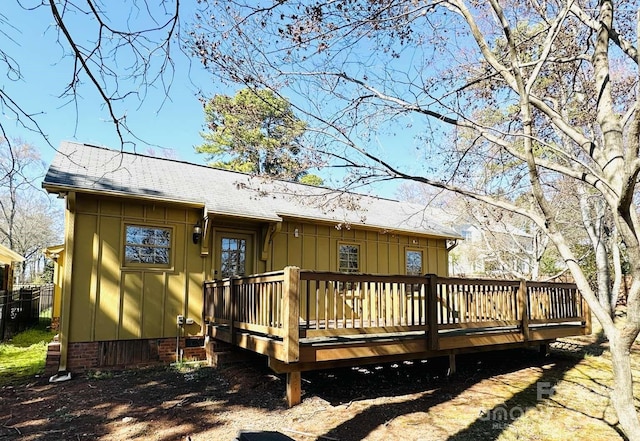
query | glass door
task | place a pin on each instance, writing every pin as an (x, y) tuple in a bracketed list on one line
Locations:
[(235, 253)]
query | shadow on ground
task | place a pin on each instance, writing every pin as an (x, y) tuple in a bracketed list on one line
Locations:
[(169, 404), (429, 377)]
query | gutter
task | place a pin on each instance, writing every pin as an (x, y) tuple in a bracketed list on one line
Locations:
[(69, 229), (65, 190)]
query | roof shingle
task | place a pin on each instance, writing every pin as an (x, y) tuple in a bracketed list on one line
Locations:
[(82, 167)]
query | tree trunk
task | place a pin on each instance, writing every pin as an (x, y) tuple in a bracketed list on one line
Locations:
[(622, 392)]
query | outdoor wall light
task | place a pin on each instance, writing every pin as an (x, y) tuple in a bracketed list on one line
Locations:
[(200, 230), (197, 233)]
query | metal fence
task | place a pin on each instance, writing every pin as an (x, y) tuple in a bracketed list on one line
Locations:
[(24, 307)]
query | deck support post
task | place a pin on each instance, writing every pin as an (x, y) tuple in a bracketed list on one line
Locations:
[(291, 338), (294, 388), (543, 349), (523, 305), (452, 364), (586, 314)]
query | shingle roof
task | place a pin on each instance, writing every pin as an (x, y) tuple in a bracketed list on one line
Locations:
[(82, 167)]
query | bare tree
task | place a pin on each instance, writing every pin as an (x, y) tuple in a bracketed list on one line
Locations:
[(507, 100), (510, 245), (496, 242), (121, 51), (28, 219)]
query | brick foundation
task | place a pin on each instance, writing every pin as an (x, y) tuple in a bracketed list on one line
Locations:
[(167, 350), (53, 358), (219, 353), (82, 356)]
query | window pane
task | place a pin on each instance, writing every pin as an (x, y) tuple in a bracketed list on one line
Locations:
[(148, 245), (348, 259), (233, 257), (414, 262)]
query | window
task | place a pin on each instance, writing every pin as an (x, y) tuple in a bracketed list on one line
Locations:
[(348, 260), (414, 262), (147, 245), (233, 257)]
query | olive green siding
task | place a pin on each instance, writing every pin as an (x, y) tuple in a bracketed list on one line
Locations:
[(316, 248), (113, 301)]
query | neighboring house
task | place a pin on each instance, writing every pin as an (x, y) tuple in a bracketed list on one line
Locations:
[(497, 251), (8, 261), (142, 235)]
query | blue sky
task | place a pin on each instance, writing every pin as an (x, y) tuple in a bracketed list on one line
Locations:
[(174, 124)]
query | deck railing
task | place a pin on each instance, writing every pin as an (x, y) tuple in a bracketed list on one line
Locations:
[(554, 302), (295, 303), (469, 303), (252, 303), (337, 303)]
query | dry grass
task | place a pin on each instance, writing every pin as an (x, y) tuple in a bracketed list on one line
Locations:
[(401, 401)]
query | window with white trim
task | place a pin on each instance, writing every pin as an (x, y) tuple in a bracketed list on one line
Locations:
[(349, 258), (147, 245)]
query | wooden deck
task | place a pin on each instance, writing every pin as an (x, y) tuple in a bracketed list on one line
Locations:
[(307, 320)]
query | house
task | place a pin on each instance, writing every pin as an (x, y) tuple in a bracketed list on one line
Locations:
[(143, 234), (165, 260), (499, 250), (8, 261)]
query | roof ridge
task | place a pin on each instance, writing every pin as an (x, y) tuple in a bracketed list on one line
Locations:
[(82, 166), (236, 172)]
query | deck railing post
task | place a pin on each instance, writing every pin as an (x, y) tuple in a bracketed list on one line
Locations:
[(291, 339), (205, 308), (233, 298), (432, 312), (291, 313), (523, 305)]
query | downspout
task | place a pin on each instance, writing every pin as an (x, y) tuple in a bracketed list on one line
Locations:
[(179, 332), (65, 315)]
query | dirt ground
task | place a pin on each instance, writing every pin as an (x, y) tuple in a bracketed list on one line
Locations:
[(403, 401)]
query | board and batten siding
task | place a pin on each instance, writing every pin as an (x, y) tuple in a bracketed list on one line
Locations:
[(110, 301), (316, 248)]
